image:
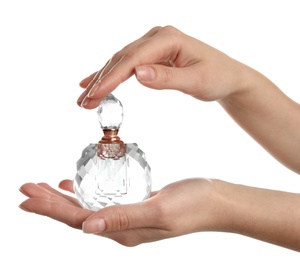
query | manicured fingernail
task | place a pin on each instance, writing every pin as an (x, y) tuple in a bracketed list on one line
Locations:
[(94, 226), (79, 100), (82, 97), (93, 90), (145, 73), (23, 192), (21, 206), (85, 101)]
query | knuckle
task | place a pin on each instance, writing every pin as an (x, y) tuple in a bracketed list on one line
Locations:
[(117, 56), (120, 222), (128, 54), (161, 213), (169, 29), (166, 75), (153, 31), (123, 221)]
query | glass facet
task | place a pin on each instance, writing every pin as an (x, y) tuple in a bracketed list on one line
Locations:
[(103, 182)]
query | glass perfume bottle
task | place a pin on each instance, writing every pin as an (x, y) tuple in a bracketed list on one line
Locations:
[(111, 172)]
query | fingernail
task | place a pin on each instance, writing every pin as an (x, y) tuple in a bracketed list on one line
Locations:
[(79, 101), (85, 101), (82, 97), (94, 89), (23, 192), (21, 206), (94, 226), (145, 73)]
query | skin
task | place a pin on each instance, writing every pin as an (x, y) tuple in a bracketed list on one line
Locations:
[(165, 58)]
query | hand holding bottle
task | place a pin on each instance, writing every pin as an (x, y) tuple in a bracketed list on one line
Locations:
[(183, 207), (165, 58)]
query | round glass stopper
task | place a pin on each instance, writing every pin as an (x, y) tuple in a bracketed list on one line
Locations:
[(110, 113)]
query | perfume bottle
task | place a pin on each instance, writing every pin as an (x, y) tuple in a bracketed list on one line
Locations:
[(111, 172)]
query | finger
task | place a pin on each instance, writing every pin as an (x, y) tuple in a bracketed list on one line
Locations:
[(163, 77), (82, 97), (123, 217), (89, 103), (153, 193), (162, 47), (66, 213), (89, 81), (117, 57), (66, 185), (85, 82), (94, 80), (107, 69), (32, 190), (56, 192)]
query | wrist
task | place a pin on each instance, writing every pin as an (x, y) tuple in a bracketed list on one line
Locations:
[(245, 83), (263, 214), (223, 213)]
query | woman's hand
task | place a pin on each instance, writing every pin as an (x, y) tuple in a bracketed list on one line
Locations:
[(166, 58), (180, 208), (46, 201), (183, 207)]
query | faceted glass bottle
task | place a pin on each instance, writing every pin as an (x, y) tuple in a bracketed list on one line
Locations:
[(111, 172)]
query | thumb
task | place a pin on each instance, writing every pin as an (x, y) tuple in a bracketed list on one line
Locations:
[(163, 77), (121, 217)]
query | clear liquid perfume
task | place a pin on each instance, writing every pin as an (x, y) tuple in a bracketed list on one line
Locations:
[(111, 172)]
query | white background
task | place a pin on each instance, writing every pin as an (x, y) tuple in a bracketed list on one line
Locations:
[(47, 47)]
